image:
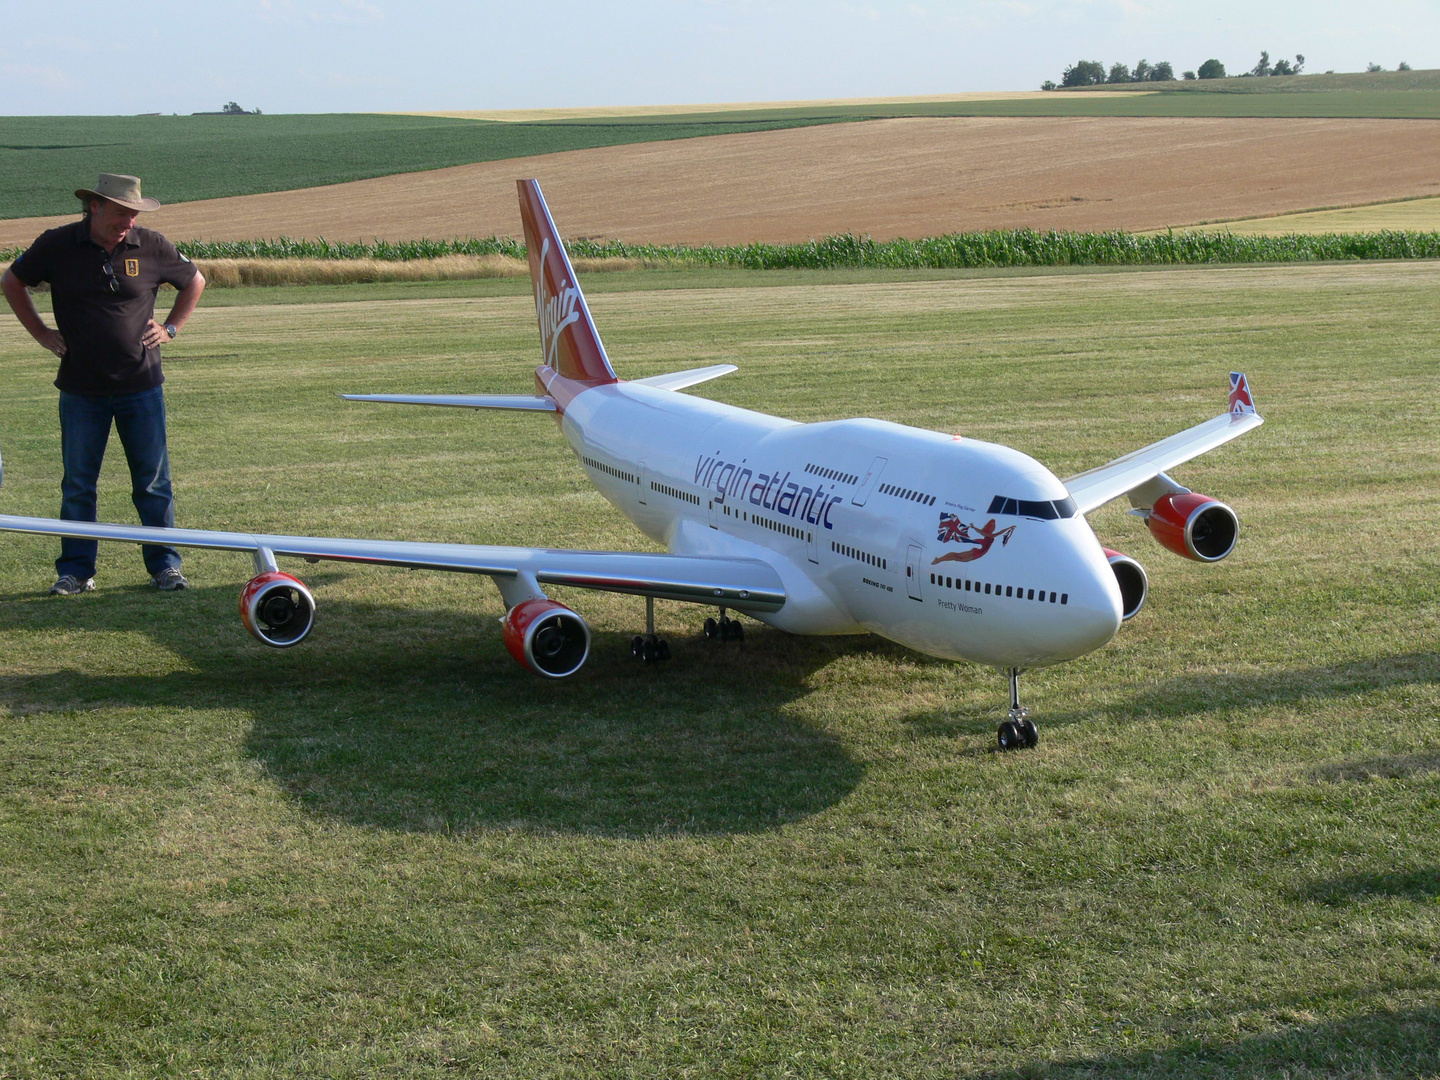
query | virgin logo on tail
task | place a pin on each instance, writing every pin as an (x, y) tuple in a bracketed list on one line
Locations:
[(554, 312)]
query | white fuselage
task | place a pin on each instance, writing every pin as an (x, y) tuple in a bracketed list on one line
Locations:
[(873, 526)]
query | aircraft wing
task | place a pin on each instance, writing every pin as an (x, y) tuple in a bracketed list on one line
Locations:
[(518, 402), (1096, 487), (744, 584)]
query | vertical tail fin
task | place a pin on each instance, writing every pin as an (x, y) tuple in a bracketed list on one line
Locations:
[(567, 333)]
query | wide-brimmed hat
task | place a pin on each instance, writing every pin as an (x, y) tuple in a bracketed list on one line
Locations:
[(124, 190)]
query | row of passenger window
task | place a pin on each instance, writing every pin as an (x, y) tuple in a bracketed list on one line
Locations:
[(764, 522), (907, 493), (619, 474), (832, 474), (863, 556), (675, 493), (1018, 592)]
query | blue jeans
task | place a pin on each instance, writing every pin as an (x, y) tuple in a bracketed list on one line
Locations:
[(139, 420)]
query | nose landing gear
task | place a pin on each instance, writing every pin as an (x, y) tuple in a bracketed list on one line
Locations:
[(1018, 729)]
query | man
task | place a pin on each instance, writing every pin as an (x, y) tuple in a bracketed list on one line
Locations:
[(104, 273)]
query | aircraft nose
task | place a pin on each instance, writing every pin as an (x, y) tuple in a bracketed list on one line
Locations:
[(1093, 612)]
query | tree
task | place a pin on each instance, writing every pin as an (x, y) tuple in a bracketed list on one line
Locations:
[(1084, 73), (1282, 67), (1188, 76), (1119, 73), (231, 109), (1162, 72), (1048, 84), (1262, 67), (1403, 66), (1374, 67), (1212, 69), (1142, 71)]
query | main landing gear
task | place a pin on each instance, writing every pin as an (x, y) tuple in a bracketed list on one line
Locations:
[(725, 629), (648, 648), (1018, 729)]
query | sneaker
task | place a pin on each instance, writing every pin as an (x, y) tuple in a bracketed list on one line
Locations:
[(69, 585), (170, 579)]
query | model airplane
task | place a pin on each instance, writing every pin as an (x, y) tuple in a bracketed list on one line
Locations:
[(957, 548)]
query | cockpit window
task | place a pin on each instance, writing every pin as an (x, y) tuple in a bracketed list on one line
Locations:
[(1033, 508)]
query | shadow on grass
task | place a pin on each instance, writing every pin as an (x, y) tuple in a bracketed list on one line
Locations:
[(419, 720), (1422, 885), (1188, 694), (1385, 1043)]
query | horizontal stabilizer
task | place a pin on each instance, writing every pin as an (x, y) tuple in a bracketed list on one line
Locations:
[(678, 380), (740, 583), (518, 402)]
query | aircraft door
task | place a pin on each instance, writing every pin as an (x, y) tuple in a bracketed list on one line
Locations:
[(912, 571), (868, 484), (644, 474), (812, 543)]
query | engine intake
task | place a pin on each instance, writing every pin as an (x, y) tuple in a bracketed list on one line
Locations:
[(277, 609), (1133, 582), (1195, 526), (547, 637)]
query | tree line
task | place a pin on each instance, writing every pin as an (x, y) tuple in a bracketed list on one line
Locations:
[(1093, 73)]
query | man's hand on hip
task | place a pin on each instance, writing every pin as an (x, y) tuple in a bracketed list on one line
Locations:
[(154, 336), (52, 340)]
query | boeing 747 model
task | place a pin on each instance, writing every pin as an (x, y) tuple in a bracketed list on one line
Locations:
[(954, 547)]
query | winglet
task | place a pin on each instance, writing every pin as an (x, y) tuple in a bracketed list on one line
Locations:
[(571, 343), (1241, 403)]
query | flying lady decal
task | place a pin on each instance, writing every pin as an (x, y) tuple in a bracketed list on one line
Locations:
[(955, 531)]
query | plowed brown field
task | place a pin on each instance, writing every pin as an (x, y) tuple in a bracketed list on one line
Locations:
[(887, 178)]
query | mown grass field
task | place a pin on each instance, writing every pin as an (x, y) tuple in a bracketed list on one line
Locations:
[(390, 852)]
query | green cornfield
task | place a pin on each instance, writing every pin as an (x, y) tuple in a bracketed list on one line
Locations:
[(1007, 247)]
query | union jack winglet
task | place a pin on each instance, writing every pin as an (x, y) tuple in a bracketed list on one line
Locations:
[(1241, 402)]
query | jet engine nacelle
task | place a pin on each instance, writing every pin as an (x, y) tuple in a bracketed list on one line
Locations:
[(1133, 582), (546, 637), (1195, 526), (277, 608)]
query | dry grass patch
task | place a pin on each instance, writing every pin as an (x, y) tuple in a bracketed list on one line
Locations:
[(233, 272)]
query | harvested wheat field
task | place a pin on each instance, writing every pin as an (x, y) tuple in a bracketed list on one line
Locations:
[(885, 178)]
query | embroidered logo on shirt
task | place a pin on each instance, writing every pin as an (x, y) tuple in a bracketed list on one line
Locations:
[(132, 267)]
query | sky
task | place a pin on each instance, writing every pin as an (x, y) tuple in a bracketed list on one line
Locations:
[(66, 57)]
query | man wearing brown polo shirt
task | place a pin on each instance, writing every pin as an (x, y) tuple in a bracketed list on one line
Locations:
[(104, 274)]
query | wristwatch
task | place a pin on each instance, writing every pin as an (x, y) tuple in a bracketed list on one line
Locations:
[(172, 330)]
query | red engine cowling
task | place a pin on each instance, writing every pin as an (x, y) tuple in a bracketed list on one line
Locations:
[(277, 608), (1195, 526), (1133, 581), (546, 637)]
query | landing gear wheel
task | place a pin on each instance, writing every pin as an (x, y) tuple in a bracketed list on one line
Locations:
[(731, 630), (1018, 729), (637, 647), (654, 650), (712, 629)]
